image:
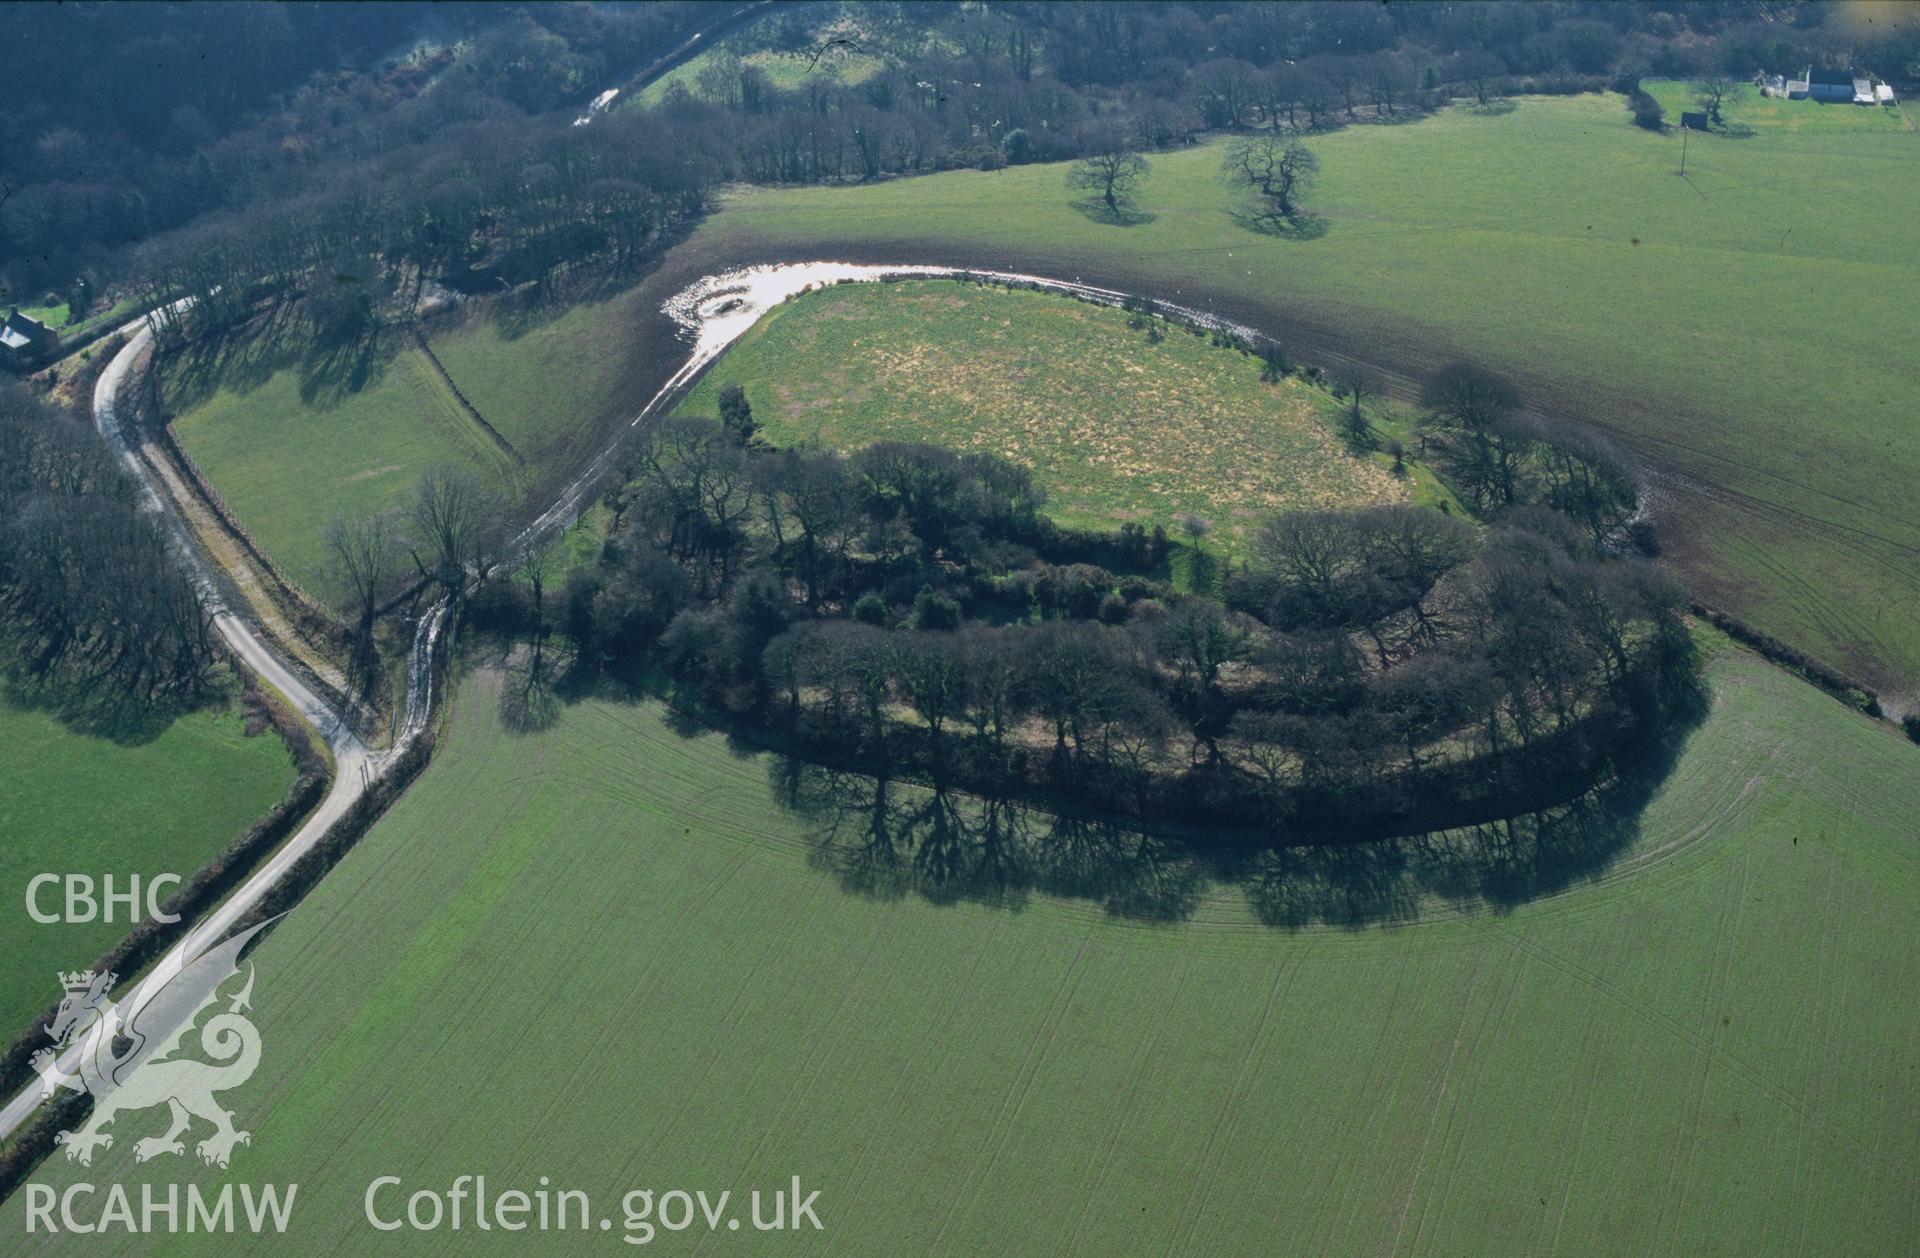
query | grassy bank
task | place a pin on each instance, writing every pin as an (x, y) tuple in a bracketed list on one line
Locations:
[(606, 955), (1747, 328), (553, 380), (785, 71)]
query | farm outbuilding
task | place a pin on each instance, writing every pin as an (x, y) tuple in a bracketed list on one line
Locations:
[(25, 340), (1839, 85), (1830, 84)]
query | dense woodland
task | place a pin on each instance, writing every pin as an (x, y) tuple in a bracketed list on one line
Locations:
[(384, 142), (910, 610), (95, 608), (351, 161), (129, 121)]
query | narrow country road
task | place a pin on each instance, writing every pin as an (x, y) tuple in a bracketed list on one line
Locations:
[(695, 42), (712, 313), (355, 767)]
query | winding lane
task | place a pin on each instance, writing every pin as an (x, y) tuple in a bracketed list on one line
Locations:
[(355, 766), (712, 312)]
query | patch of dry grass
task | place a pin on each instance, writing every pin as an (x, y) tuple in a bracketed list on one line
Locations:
[(1116, 424)]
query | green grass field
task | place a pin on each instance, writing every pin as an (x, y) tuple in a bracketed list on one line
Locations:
[(551, 386), (1116, 427), (872, 52), (119, 312), (74, 803), (1748, 327), (604, 955), (1749, 109), (54, 316), (287, 445), (286, 461), (60, 317)]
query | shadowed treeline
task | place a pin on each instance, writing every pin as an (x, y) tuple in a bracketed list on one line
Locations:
[(887, 838), (91, 704), (890, 839), (336, 356)]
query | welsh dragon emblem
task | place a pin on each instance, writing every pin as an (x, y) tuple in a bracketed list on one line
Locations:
[(125, 1055)]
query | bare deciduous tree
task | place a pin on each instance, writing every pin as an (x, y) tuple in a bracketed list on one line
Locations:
[(1114, 173), (1279, 170), (454, 512), (1487, 432), (1359, 382), (535, 561), (1481, 71), (362, 552), (1468, 396), (1711, 95)]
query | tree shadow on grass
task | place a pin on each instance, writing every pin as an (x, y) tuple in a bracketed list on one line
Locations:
[(96, 708), (1404, 117), (240, 358), (329, 373), (889, 840), (246, 356), (1094, 210), (533, 692), (531, 306), (1301, 226), (1203, 570)]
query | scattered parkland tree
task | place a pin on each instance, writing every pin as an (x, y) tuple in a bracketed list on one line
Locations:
[(1358, 382), (1711, 95), (152, 166), (1114, 174), (736, 414), (1278, 169)]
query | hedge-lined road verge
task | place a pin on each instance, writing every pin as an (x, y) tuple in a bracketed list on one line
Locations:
[(355, 768)]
